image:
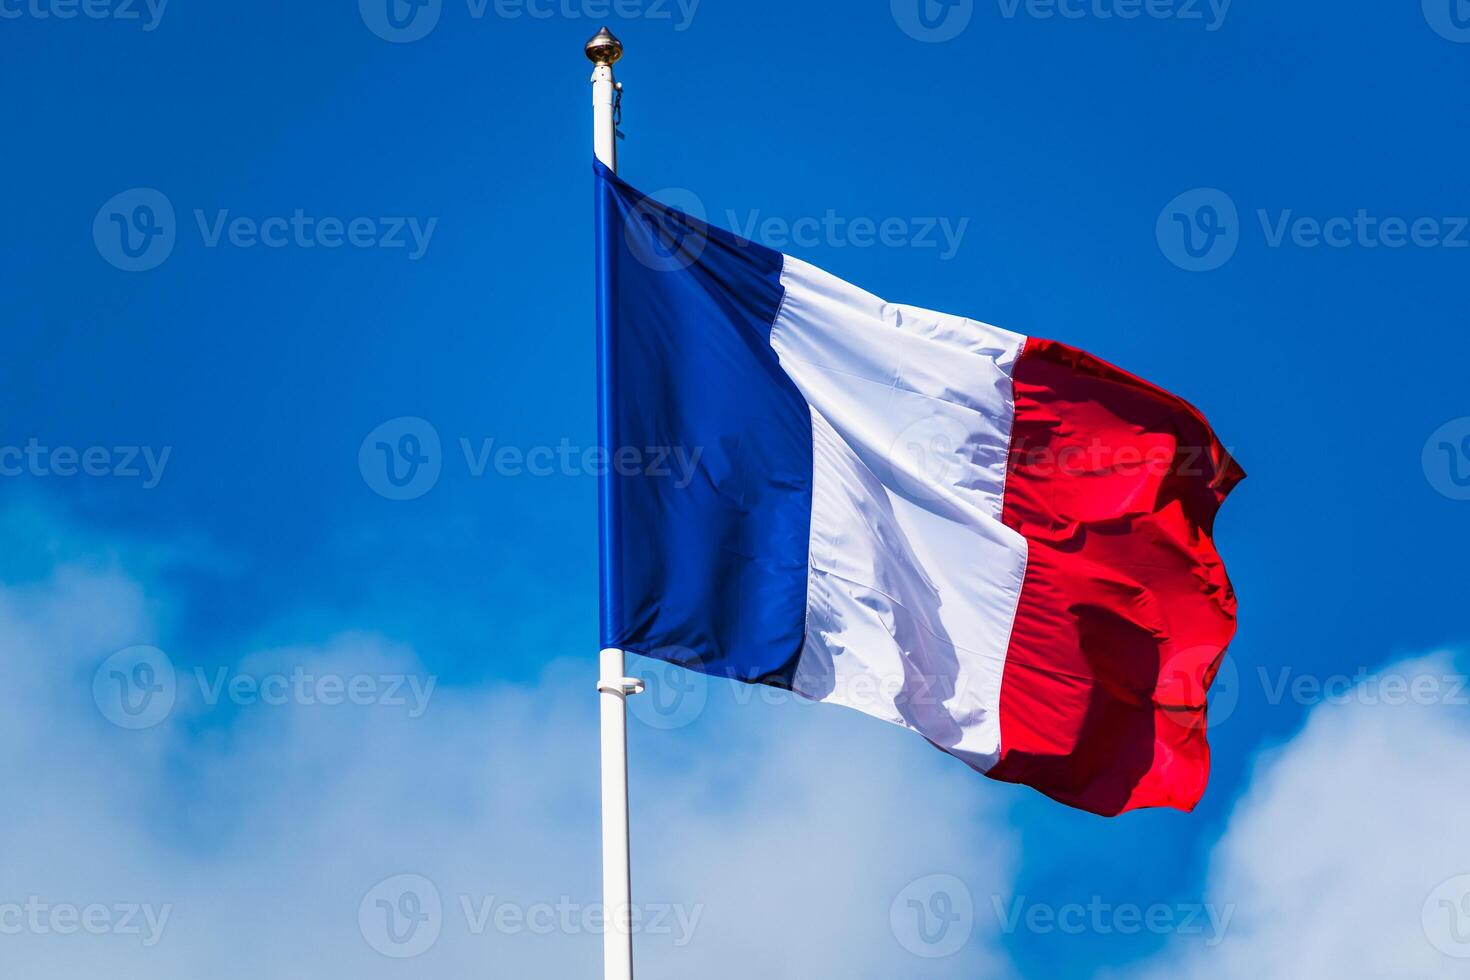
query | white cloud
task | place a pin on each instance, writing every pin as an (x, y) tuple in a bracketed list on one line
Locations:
[(1337, 859), (783, 833)]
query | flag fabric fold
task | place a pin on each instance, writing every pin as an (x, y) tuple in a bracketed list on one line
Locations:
[(999, 542)]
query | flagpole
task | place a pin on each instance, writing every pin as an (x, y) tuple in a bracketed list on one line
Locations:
[(614, 687)]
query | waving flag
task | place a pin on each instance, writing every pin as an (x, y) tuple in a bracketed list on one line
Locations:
[(999, 542)]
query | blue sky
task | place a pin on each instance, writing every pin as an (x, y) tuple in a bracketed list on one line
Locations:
[(1031, 167)]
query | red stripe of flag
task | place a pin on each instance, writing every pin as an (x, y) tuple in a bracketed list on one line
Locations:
[(1126, 610)]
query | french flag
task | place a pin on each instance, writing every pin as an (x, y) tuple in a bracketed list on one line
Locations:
[(999, 542)]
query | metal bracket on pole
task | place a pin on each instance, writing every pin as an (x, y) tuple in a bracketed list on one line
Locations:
[(629, 687)]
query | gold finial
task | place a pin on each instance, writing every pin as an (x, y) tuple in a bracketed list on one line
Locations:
[(604, 48)]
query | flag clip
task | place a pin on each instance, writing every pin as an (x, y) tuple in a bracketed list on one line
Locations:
[(628, 687)]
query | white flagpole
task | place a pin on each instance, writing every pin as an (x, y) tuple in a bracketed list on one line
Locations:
[(613, 686)]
